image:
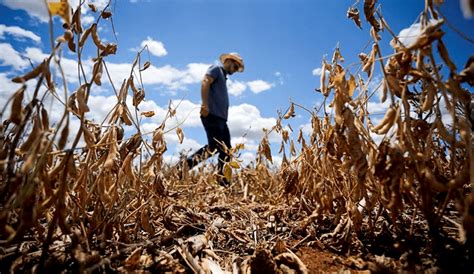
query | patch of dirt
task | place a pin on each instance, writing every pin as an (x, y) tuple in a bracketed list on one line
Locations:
[(320, 261)]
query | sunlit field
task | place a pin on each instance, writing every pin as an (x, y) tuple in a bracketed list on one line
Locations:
[(93, 198)]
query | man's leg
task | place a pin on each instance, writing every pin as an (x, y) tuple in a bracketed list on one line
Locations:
[(224, 137), (205, 152)]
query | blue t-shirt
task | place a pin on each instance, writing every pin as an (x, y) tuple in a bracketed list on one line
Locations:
[(218, 99)]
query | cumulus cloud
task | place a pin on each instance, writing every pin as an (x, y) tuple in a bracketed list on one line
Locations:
[(87, 20), (69, 66), (10, 57), (36, 55), (378, 107), (258, 86), (317, 71), (251, 145), (409, 36), (236, 88), (188, 145), (18, 33), (156, 48), (7, 88), (174, 78), (100, 4), (194, 73), (53, 107), (307, 129), (187, 114), (168, 76), (246, 120), (248, 158), (38, 9)]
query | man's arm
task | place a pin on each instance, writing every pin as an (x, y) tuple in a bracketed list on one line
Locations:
[(205, 86)]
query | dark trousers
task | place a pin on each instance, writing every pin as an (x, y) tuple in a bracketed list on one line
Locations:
[(217, 133)]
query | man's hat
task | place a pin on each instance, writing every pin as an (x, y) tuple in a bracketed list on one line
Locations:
[(234, 56)]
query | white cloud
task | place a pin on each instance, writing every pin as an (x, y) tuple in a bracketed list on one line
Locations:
[(174, 78), (317, 71), (187, 113), (194, 73), (377, 107), (87, 20), (170, 159), (35, 54), (188, 145), (10, 57), (307, 129), (236, 88), (280, 77), (250, 145), (168, 76), (277, 160), (376, 138), (18, 32), (248, 158), (99, 107), (410, 35), (155, 47), (35, 9), (53, 107), (69, 66), (99, 4), (7, 88), (258, 86), (246, 120)]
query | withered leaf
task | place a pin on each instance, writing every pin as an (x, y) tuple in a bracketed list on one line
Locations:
[(31, 74), (106, 14), (145, 66), (150, 113), (92, 7), (353, 13), (16, 114), (290, 112), (369, 10), (351, 85), (180, 134)]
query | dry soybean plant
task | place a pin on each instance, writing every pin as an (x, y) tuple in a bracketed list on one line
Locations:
[(114, 204), (420, 174)]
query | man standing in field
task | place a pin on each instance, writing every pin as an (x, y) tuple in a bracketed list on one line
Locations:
[(214, 112)]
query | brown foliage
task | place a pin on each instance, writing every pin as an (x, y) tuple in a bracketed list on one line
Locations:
[(117, 198)]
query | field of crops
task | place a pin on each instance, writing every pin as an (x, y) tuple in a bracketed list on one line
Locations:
[(342, 201)]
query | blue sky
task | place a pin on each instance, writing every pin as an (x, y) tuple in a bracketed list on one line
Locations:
[(282, 43)]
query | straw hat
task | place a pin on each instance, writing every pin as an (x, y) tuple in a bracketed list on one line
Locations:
[(234, 56)]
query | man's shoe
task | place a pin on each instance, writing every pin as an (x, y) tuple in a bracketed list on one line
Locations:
[(224, 182)]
